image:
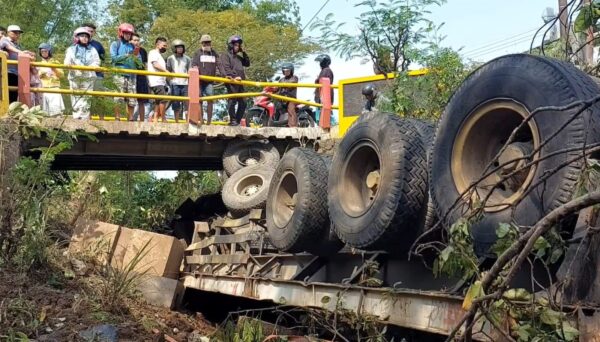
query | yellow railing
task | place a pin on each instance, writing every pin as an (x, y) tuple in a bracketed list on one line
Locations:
[(189, 99), (3, 86)]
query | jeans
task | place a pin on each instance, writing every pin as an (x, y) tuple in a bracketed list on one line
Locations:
[(179, 90)]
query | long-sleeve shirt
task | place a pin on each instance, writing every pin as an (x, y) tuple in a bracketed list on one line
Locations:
[(208, 62), (121, 55), (291, 91), (101, 53), (233, 64), (82, 55)]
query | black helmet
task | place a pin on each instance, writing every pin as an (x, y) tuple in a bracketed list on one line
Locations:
[(324, 60), (232, 40), (368, 90), (287, 66)]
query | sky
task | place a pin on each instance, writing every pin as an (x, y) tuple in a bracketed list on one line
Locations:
[(482, 29)]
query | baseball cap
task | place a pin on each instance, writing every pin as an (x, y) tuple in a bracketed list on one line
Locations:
[(205, 38), (14, 28)]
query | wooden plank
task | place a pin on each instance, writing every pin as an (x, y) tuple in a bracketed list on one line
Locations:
[(256, 214), (201, 227), (221, 239), (218, 259), (232, 223)]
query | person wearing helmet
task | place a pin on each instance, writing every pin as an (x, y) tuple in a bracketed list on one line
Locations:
[(324, 62), (233, 68), (206, 59), (179, 63), (287, 69), (52, 104), (370, 94), (81, 53), (101, 53), (10, 45), (123, 55)]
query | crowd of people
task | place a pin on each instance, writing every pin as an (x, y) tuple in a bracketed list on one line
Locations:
[(126, 52)]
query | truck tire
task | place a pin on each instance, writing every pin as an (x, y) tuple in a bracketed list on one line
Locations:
[(378, 184), (247, 189), (479, 119), (296, 213), (242, 153)]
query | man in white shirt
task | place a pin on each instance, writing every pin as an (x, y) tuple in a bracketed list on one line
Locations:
[(179, 63), (158, 84)]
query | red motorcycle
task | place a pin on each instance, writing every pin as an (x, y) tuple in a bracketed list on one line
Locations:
[(268, 113)]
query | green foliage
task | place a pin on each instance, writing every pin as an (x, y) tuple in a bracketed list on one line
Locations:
[(267, 44), (391, 33), (425, 97), (140, 200), (588, 16), (458, 258), (247, 330)]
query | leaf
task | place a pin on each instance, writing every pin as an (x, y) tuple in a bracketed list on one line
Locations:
[(517, 294), (523, 332), (540, 246), (556, 254), (475, 291), (570, 333), (502, 230), (550, 317)]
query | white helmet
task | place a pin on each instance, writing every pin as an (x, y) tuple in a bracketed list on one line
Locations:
[(78, 31)]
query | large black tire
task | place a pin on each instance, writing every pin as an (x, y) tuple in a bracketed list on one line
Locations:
[(479, 118), (257, 117), (384, 216), (247, 189), (242, 153), (296, 214)]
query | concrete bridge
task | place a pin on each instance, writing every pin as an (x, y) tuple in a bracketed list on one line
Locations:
[(162, 146)]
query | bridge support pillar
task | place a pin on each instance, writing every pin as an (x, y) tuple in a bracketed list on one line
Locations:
[(24, 70), (194, 107)]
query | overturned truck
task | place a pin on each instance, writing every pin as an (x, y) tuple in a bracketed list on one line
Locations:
[(514, 146)]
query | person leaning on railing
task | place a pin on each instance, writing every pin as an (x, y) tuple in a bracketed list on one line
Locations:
[(91, 27), (141, 82), (52, 104), (233, 68), (123, 56), (10, 44), (206, 59), (81, 54)]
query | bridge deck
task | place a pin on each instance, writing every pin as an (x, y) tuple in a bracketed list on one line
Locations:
[(162, 146)]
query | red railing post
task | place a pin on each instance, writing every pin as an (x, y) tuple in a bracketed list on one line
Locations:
[(325, 119), (24, 70), (194, 108)]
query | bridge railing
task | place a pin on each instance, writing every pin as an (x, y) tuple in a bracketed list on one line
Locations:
[(194, 99)]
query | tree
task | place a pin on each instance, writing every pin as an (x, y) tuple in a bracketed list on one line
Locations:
[(47, 21), (267, 44), (390, 33), (425, 97)]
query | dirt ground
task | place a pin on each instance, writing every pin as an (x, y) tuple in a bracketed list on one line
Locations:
[(47, 306)]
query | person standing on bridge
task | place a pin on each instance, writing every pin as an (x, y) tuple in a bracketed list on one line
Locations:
[(158, 84), (10, 44), (99, 85), (123, 56), (206, 59), (51, 103), (141, 82), (233, 68), (324, 62), (81, 54), (179, 63)]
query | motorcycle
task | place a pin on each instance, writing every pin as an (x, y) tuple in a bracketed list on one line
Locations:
[(268, 113)]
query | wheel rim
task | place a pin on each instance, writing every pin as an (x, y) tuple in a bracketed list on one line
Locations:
[(286, 198), (360, 178), (249, 157), (249, 186), (479, 140)]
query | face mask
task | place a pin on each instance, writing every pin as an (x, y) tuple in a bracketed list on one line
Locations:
[(206, 48), (162, 50)]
